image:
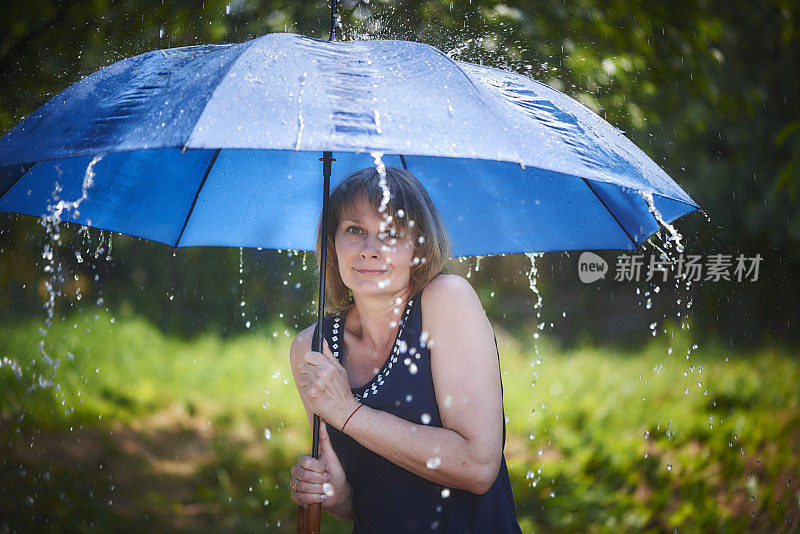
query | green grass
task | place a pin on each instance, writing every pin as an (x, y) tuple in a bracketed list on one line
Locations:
[(147, 431)]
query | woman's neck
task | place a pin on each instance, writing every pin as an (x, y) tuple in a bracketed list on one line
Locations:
[(375, 318)]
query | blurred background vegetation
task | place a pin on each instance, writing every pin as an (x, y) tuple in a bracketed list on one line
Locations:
[(141, 405)]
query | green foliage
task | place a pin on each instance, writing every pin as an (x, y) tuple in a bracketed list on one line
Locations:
[(604, 441)]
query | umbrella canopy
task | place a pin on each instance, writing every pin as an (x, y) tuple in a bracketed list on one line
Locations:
[(220, 145)]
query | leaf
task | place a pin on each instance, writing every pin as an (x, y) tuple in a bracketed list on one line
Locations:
[(787, 131), (789, 179)]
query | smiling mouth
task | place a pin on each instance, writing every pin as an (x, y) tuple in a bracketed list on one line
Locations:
[(371, 271)]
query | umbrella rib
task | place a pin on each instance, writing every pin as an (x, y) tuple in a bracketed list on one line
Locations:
[(585, 181), (479, 95), (197, 194), (18, 179)]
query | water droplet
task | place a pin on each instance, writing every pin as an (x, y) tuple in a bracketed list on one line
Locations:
[(434, 462), (267, 433), (426, 419)]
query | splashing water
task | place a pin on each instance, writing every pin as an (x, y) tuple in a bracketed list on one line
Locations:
[(53, 268), (52, 225), (242, 303), (387, 195), (533, 275), (674, 234)]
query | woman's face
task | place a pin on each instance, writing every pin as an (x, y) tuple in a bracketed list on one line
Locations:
[(372, 260)]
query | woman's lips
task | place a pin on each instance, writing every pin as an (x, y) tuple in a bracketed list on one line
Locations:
[(373, 272)]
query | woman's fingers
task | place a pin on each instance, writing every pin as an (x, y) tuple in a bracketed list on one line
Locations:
[(326, 450), (312, 477), (315, 358), (326, 351), (305, 487), (307, 481), (310, 463), (324, 440), (323, 433), (303, 493)]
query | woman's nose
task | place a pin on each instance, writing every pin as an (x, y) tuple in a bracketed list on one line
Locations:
[(371, 248)]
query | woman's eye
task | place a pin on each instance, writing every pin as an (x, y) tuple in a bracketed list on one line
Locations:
[(355, 230), (391, 234)]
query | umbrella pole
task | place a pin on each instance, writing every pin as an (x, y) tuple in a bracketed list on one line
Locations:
[(310, 516), (333, 21), (326, 159)]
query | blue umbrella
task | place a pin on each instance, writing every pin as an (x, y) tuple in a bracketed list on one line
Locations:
[(220, 145)]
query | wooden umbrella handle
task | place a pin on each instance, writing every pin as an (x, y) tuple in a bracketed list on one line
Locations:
[(309, 518)]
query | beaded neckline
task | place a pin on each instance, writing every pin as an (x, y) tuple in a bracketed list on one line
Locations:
[(400, 346)]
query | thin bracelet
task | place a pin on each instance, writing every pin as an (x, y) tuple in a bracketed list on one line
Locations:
[(351, 415)]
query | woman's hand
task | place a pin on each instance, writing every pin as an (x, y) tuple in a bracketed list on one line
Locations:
[(325, 388), (322, 480), (307, 480)]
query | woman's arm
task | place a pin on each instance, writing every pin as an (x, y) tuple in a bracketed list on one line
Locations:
[(466, 453)]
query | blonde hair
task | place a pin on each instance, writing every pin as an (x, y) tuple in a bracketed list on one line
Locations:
[(412, 214)]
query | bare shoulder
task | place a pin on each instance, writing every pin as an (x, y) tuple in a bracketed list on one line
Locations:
[(301, 344), (450, 290), (450, 304), (458, 328)]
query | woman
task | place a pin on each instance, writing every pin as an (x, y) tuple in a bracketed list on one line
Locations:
[(412, 441)]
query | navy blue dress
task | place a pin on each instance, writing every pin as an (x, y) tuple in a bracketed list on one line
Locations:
[(386, 497)]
